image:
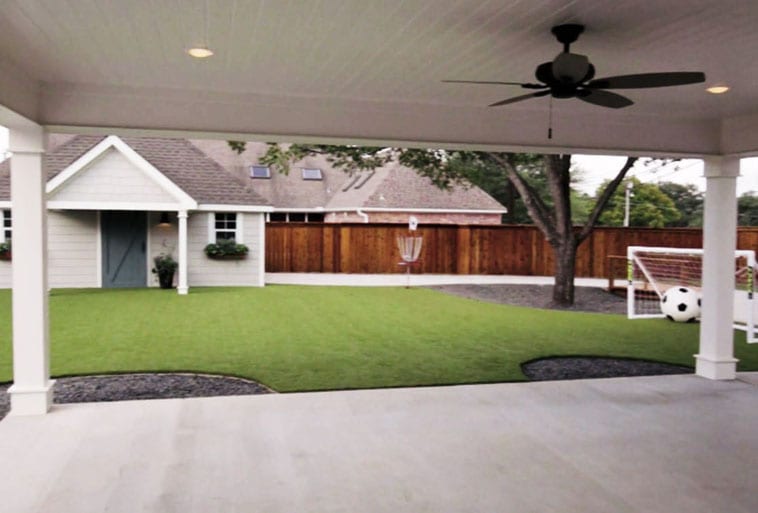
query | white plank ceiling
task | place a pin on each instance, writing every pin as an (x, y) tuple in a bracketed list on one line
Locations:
[(359, 66)]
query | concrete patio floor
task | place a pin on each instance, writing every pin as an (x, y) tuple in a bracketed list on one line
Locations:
[(654, 444)]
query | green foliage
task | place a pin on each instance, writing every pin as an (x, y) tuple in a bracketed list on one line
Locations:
[(747, 209), (296, 338), (224, 248), (164, 264), (649, 207), (237, 146), (688, 201), (6, 247)]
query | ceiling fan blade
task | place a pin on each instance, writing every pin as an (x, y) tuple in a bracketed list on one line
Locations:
[(643, 80), (520, 98), (525, 86), (604, 98)]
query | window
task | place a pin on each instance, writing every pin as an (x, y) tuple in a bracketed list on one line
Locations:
[(225, 226), (312, 174), (295, 217), (7, 226), (260, 172)]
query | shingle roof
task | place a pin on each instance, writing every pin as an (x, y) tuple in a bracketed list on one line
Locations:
[(179, 160), (393, 186)]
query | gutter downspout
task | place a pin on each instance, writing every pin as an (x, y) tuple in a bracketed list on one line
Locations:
[(363, 214)]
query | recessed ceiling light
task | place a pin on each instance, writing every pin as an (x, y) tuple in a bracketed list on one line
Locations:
[(718, 89), (200, 52)]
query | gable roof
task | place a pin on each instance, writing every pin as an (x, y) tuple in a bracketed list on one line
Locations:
[(181, 162), (390, 187)]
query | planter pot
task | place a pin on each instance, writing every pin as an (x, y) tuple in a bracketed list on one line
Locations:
[(228, 257), (6, 256), (166, 280)]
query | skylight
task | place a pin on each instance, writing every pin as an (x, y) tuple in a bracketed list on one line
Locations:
[(312, 174), (260, 172)]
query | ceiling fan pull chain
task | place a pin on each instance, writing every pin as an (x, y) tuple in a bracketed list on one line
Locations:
[(550, 119)]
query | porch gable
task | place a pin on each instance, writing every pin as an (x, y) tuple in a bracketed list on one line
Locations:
[(112, 176)]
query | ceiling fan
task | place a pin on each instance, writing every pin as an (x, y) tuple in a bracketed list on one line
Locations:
[(571, 75)]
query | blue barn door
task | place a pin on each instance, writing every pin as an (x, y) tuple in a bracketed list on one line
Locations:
[(124, 236)]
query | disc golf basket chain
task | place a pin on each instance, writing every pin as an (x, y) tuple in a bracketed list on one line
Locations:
[(410, 249)]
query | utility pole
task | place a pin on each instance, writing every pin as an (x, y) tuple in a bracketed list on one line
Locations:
[(628, 194)]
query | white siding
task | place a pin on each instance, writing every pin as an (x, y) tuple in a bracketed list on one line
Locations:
[(6, 278), (204, 271), (72, 242), (161, 240), (111, 177)]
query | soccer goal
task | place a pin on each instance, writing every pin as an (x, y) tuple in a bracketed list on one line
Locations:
[(653, 271)]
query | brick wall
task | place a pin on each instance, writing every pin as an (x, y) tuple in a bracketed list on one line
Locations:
[(423, 218)]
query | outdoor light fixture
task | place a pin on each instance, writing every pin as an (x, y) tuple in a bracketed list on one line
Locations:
[(718, 89), (200, 52), (164, 221)]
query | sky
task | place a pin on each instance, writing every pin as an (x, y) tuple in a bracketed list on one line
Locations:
[(596, 169)]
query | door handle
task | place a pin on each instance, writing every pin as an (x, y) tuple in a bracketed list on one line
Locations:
[(143, 247)]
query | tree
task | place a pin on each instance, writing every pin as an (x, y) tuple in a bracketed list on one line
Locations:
[(747, 209), (552, 214), (649, 207), (688, 200)]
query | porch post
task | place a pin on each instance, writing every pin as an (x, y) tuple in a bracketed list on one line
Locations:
[(32, 390), (182, 288), (716, 357)]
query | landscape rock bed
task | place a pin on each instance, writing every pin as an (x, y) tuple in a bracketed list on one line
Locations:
[(557, 368), (125, 387)]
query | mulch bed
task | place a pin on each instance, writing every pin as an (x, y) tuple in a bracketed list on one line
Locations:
[(123, 387)]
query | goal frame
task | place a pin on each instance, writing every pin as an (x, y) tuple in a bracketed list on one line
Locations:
[(750, 308)]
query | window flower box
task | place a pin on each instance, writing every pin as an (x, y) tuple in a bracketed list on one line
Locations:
[(226, 249), (5, 251)]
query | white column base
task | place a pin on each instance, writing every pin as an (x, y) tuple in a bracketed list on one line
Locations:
[(31, 401), (182, 291), (725, 368)]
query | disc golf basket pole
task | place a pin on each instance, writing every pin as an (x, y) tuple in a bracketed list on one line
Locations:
[(410, 249)]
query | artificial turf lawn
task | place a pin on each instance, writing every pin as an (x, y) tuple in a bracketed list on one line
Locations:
[(295, 338)]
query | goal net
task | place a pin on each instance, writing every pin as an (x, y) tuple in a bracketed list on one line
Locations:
[(653, 271)]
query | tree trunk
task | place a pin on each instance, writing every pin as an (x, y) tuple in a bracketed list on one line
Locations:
[(565, 269)]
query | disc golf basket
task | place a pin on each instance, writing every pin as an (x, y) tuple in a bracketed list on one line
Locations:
[(410, 249)]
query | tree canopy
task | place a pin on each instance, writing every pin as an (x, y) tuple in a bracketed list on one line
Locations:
[(649, 207)]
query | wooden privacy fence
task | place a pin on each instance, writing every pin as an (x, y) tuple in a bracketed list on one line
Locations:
[(450, 249)]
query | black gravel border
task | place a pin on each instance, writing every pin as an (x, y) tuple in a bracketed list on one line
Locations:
[(586, 367), (127, 387)]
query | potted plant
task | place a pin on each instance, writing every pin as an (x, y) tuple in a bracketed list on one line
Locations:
[(5, 250), (165, 267), (226, 249)]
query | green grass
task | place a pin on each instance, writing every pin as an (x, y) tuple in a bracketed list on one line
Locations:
[(318, 338)]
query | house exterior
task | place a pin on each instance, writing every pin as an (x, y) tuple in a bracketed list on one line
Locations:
[(116, 203), (314, 190)]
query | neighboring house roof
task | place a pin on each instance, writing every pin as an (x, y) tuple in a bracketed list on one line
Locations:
[(389, 187), (179, 160)]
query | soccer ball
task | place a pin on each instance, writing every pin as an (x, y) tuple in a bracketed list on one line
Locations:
[(680, 304)]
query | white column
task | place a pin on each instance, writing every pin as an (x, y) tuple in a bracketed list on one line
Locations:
[(182, 288), (261, 252), (716, 357), (32, 390)]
